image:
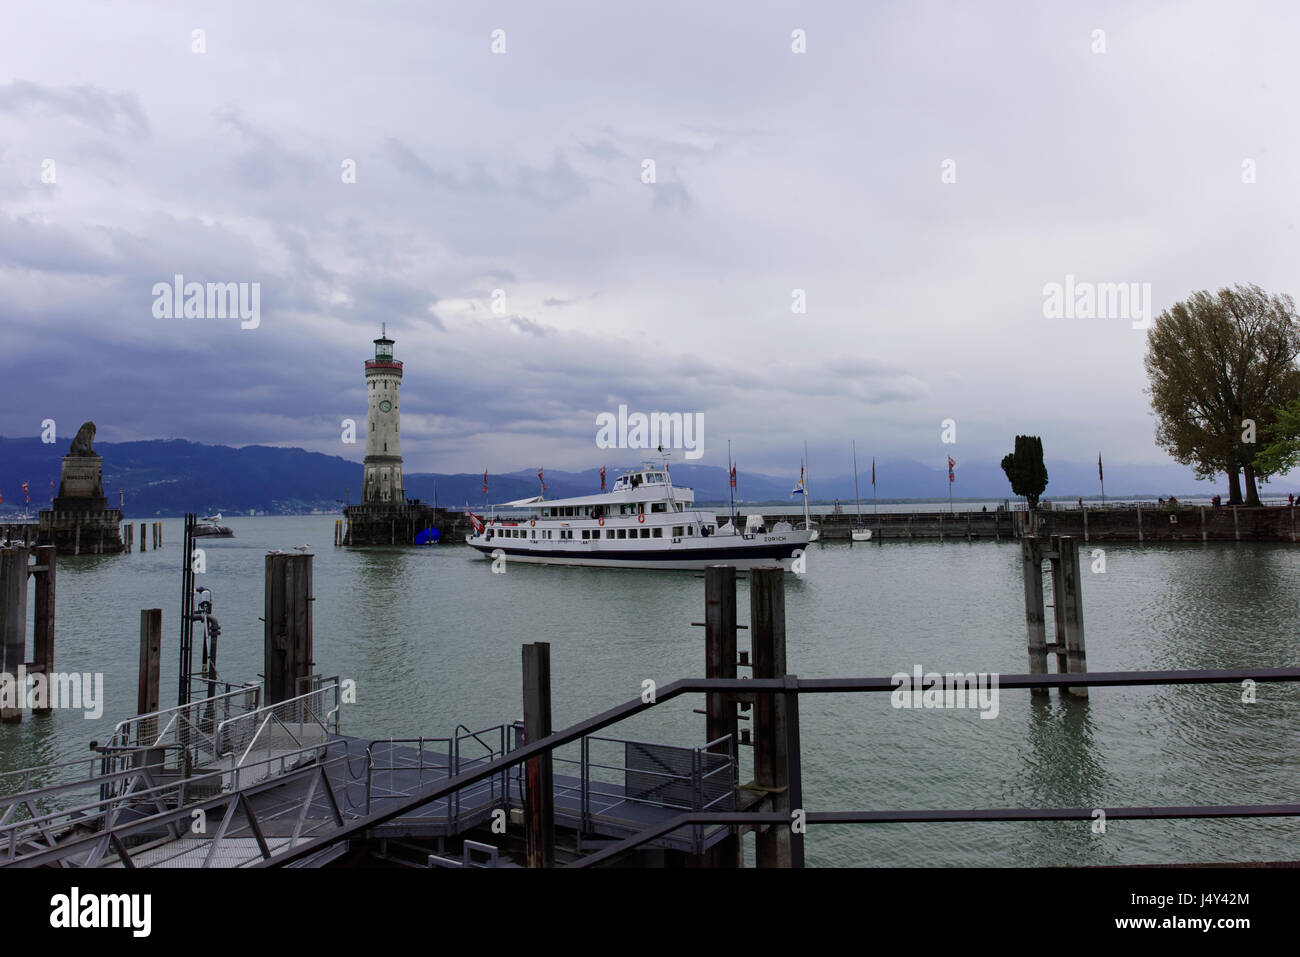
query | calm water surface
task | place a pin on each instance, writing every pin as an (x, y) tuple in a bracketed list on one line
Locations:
[(433, 638)]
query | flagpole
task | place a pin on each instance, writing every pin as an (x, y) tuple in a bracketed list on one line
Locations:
[(731, 486), (1101, 477), (875, 510)]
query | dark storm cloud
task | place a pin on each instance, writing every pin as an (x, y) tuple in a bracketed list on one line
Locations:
[(521, 173)]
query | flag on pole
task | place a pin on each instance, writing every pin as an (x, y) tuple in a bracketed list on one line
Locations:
[(542, 480), (27, 497), (485, 481), (951, 465), (602, 478), (1100, 476), (733, 475), (476, 522), (798, 489), (873, 470)]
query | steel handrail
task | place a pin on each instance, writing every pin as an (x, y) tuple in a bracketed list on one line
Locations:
[(790, 684)]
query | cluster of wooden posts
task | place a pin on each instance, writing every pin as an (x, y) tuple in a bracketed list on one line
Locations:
[(1067, 608), (770, 790), (148, 530), (14, 572)]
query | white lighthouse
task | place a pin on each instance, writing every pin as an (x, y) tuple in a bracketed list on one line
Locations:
[(383, 465)]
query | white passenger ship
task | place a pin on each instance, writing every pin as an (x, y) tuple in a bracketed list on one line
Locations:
[(643, 522)]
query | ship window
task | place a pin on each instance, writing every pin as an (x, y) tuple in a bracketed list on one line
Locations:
[(645, 533), (658, 533), (679, 506), (677, 531), (609, 533), (622, 533), (690, 529), (658, 507)]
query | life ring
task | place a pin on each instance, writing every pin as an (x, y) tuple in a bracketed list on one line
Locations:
[(601, 520), (533, 522), (641, 517)]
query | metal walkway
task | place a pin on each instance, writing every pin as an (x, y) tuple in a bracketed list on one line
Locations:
[(225, 782)]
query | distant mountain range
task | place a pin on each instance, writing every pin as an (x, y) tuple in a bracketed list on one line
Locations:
[(171, 477)]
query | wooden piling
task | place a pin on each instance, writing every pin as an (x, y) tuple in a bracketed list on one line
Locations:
[(43, 632), (147, 695), (142, 537), (539, 773), (1068, 598), (13, 625), (1035, 620), (771, 743), (287, 629), (720, 662)]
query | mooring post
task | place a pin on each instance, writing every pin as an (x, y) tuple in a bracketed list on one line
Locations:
[(771, 755), (720, 653), (13, 628), (1035, 621), (288, 625), (147, 695), (1058, 606), (43, 636), (720, 662), (539, 774), (1069, 605)]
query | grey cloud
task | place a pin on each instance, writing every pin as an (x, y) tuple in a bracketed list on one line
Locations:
[(110, 113)]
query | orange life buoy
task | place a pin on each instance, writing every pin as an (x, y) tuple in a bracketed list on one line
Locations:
[(533, 522), (601, 520), (641, 517)]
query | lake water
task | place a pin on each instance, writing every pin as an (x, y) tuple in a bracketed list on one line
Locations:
[(433, 638)]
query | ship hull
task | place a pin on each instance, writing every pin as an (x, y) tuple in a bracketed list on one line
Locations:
[(757, 555)]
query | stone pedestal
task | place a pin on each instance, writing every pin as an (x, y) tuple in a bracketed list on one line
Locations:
[(79, 522)]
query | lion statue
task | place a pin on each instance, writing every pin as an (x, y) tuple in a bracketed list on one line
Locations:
[(84, 443)]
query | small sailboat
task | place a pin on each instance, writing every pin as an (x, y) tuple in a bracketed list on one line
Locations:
[(859, 533), (801, 488)]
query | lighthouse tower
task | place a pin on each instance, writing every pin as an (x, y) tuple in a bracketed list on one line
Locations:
[(383, 465)]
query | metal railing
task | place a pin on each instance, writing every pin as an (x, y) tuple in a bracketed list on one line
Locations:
[(186, 734), (304, 722), (130, 797), (791, 687), (650, 775)]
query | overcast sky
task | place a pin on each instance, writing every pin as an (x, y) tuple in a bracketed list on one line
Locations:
[(522, 171)]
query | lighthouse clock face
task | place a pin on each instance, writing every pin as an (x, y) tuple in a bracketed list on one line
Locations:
[(385, 406)]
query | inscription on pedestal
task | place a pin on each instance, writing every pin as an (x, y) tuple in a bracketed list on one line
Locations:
[(82, 477)]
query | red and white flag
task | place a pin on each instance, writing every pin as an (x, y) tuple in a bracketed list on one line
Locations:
[(951, 465), (476, 522)]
